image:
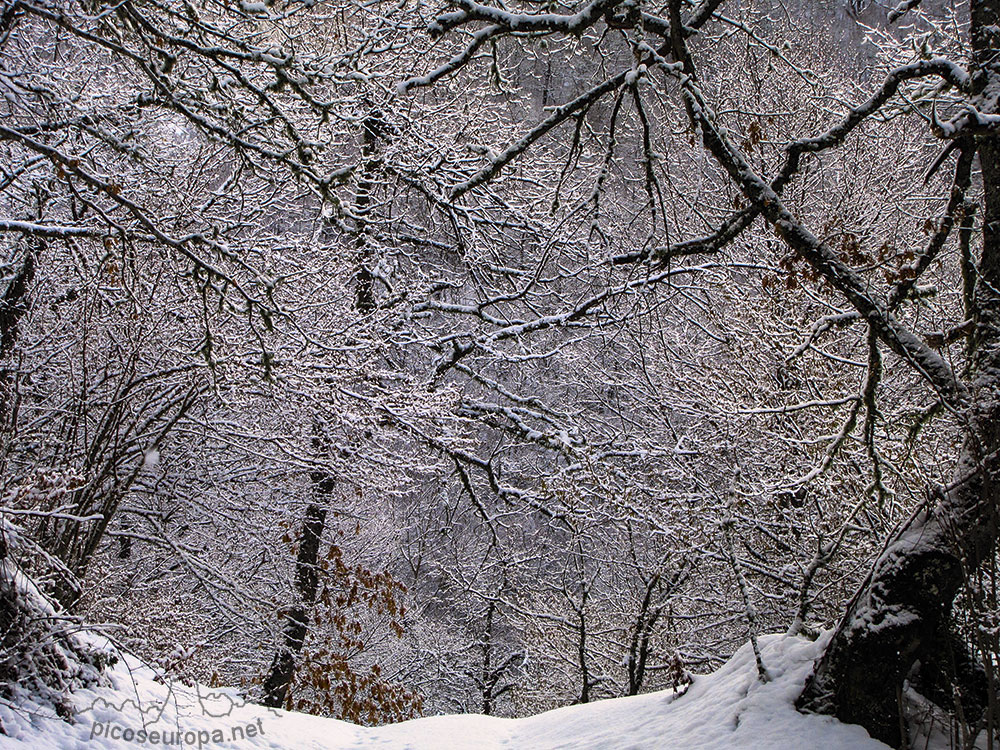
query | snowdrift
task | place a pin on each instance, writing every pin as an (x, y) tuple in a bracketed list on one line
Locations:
[(729, 709)]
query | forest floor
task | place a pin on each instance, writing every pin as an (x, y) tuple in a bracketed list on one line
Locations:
[(728, 709)]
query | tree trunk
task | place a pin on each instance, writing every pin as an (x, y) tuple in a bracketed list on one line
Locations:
[(296, 628), (902, 613), (364, 286), (282, 669), (13, 306)]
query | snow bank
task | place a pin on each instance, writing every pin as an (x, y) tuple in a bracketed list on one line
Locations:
[(726, 710)]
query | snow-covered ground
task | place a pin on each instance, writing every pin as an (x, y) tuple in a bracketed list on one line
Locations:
[(728, 709)]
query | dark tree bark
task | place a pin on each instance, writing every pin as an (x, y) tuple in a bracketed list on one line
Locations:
[(654, 602), (15, 303), (364, 287), (642, 631), (490, 680), (296, 627), (13, 306)]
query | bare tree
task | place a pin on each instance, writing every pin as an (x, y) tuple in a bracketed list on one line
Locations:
[(902, 610), (559, 342)]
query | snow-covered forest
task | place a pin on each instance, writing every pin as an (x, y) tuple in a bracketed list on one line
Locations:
[(385, 359)]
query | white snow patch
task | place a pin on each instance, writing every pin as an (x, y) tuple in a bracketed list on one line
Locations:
[(253, 7), (726, 710)]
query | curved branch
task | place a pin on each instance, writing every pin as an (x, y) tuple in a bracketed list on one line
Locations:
[(817, 253), (559, 116)]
